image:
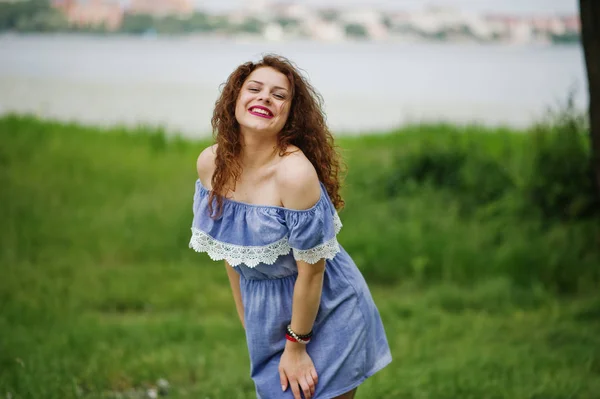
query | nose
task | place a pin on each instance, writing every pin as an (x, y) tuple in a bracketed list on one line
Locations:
[(263, 97)]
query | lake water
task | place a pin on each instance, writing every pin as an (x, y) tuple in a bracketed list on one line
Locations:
[(366, 86)]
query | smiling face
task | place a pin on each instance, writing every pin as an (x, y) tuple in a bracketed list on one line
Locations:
[(263, 104)]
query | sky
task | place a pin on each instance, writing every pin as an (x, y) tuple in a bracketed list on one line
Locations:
[(520, 7)]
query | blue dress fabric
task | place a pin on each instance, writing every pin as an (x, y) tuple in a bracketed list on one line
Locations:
[(262, 243)]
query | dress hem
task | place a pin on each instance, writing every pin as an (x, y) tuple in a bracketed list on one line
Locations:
[(381, 363)]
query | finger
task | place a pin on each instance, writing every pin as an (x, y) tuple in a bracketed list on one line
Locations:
[(311, 384), (305, 387), (314, 375), (295, 389), (283, 379)]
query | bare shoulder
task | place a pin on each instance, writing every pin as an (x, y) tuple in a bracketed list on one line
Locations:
[(206, 164), (297, 180)]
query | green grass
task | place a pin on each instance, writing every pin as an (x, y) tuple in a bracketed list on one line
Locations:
[(100, 296)]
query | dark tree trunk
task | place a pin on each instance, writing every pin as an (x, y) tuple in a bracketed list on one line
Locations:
[(590, 38)]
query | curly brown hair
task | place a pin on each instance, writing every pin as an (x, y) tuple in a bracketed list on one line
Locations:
[(305, 128)]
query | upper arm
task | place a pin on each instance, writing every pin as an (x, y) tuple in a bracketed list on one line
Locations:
[(298, 182), (310, 268), (299, 187), (205, 165)]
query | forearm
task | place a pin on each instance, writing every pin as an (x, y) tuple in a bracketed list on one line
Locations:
[(307, 297), (234, 282)]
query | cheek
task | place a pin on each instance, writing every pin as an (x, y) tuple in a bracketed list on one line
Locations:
[(239, 106), (239, 103), (284, 111)]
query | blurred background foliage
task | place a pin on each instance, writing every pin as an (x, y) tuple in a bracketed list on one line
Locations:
[(481, 246)]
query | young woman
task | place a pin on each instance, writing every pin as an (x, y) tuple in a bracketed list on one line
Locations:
[(265, 202)]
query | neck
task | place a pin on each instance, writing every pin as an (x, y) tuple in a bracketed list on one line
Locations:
[(257, 150)]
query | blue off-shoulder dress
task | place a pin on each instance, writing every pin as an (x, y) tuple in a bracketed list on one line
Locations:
[(262, 243)]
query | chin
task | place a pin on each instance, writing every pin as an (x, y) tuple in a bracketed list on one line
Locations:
[(262, 127)]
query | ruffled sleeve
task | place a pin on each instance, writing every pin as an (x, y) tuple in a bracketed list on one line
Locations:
[(255, 234), (242, 234), (312, 233)]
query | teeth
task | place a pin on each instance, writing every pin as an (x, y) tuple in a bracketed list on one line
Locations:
[(260, 111)]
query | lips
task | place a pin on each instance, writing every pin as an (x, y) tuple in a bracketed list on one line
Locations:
[(260, 111)]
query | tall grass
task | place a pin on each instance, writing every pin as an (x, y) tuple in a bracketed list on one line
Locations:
[(468, 261), (457, 205)]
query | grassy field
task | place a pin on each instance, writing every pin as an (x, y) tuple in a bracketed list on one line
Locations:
[(483, 293)]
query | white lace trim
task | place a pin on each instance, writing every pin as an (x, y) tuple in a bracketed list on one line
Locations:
[(251, 256), (237, 254), (327, 250), (337, 223)]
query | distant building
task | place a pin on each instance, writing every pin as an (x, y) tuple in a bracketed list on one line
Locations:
[(295, 10), (273, 32), (105, 13), (63, 5), (325, 31), (161, 8), (371, 20), (520, 31), (548, 25), (256, 6), (572, 24)]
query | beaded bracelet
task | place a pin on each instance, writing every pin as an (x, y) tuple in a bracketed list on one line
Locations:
[(292, 336), (305, 336)]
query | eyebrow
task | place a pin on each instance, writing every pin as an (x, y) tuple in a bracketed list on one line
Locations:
[(261, 83)]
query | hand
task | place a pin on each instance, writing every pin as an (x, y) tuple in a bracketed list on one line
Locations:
[(297, 367)]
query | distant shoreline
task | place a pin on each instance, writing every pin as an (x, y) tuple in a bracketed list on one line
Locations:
[(255, 39)]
